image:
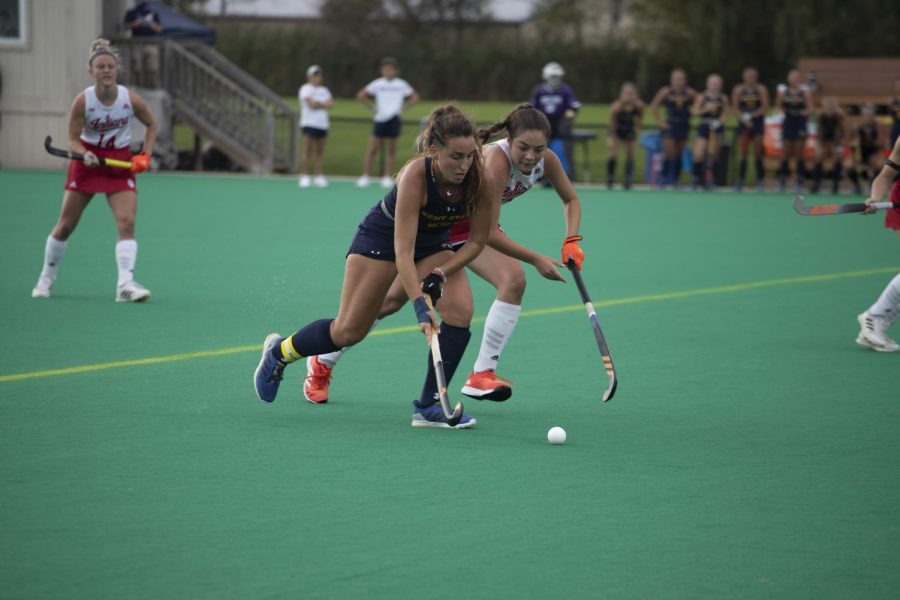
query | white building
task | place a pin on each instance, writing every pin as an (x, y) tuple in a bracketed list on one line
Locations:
[(43, 65)]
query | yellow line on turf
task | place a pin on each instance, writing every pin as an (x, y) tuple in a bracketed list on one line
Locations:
[(725, 289)]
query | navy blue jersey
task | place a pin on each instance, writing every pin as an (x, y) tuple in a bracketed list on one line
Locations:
[(829, 126), (793, 102), (627, 116), (435, 218), (868, 136), (142, 14), (748, 99), (895, 111), (712, 105), (678, 106)]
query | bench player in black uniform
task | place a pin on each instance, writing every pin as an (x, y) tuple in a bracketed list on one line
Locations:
[(830, 134), (676, 128), (625, 121), (867, 144), (750, 100), (713, 108), (795, 102)]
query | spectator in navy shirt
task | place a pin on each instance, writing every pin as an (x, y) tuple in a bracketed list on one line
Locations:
[(143, 21), (556, 100)]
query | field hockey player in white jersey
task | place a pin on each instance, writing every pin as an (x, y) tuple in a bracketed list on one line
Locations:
[(520, 159), (100, 127), (388, 96), (315, 100)]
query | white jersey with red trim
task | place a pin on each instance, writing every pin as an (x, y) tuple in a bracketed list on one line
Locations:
[(518, 182), (107, 126)]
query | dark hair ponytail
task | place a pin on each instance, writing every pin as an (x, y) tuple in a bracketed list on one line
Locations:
[(445, 123), (524, 117)]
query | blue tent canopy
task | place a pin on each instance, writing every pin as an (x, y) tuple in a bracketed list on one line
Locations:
[(179, 25)]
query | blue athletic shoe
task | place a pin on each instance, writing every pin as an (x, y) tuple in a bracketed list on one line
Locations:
[(270, 370), (433, 416)]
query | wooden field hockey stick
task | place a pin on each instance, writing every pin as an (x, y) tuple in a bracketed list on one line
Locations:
[(835, 209), (598, 333), (453, 415), (106, 162)]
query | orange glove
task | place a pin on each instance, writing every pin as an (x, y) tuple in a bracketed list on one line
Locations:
[(140, 162), (572, 250)]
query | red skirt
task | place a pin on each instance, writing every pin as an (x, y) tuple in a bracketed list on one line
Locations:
[(101, 180), (892, 218)]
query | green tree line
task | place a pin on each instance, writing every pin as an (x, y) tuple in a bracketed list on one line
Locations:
[(450, 49)]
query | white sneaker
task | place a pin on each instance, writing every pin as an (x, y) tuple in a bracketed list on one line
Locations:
[(42, 288), (362, 181), (387, 182), (320, 181), (132, 292), (304, 181), (872, 333)]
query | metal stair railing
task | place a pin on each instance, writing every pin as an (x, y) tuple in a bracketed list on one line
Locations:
[(286, 117), (239, 124)]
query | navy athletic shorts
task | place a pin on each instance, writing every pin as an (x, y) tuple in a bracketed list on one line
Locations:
[(374, 238), (793, 128), (387, 129), (315, 132), (678, 131), (755, 127)]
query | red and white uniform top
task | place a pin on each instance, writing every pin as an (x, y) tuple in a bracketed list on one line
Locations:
[(107, 126), (517, 184)]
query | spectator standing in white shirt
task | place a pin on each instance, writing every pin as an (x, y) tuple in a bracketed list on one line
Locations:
[(388, 96), (315, 100)]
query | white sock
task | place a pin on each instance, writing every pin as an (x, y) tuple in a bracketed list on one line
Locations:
[(53, 254), (888, 304), (126, 256), (499, 325), (332, 358)]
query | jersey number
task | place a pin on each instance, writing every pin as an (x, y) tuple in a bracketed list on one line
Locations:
[(109, 144)]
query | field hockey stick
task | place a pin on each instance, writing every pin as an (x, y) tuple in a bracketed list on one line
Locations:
[(598, 333), (834, 209), (106, 162), (453, 415)]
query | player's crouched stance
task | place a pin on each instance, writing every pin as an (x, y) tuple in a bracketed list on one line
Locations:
[(406, 235), (100, 127), (875, 321)]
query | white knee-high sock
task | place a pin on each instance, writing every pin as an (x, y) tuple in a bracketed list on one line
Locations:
[(126, 257), (53, 255), (499, 325), (332, 358), (888, 304)]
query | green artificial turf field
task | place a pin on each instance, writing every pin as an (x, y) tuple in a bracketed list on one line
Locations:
[(750, 452)]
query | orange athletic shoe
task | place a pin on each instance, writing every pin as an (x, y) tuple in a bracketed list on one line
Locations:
[(487, 385), (315, 387)]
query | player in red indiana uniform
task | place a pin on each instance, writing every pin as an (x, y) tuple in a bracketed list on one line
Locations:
[(876, 320), (100, 127)]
